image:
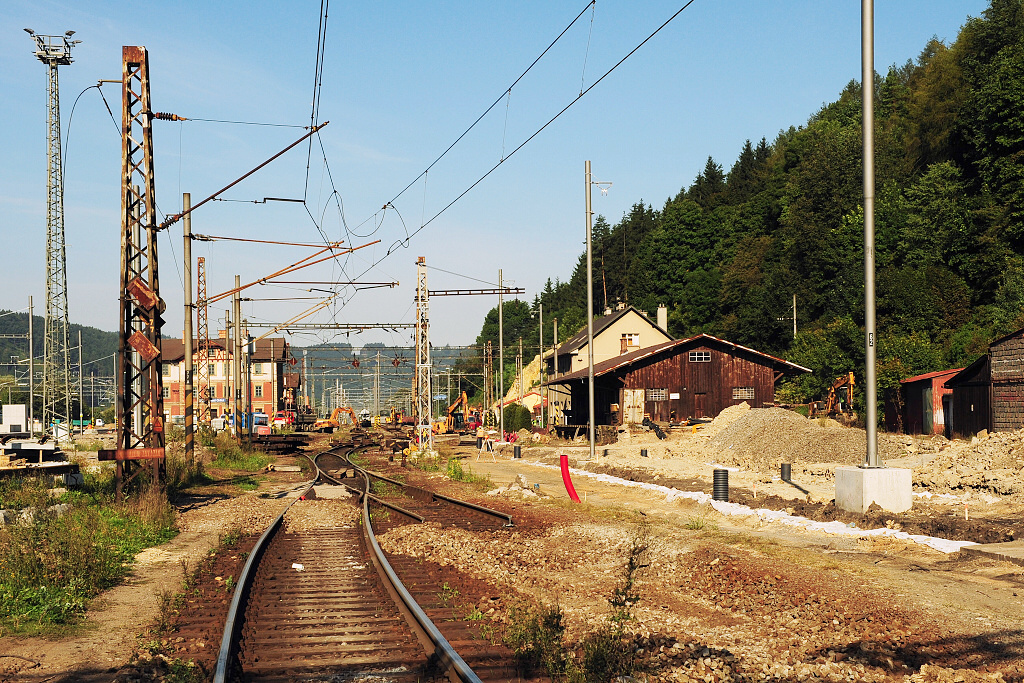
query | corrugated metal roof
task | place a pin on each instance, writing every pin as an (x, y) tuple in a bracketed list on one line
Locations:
[(930, 375), (613, 364)]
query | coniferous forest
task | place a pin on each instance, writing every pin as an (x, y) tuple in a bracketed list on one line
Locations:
[(728, 252)]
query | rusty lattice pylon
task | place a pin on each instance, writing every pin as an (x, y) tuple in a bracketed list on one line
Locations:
[(140, 428)]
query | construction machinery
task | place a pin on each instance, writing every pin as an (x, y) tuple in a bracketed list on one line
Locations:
[(459, 417), (332, 422), (838, 403)]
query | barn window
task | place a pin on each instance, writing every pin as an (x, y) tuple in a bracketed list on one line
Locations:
[(742, 393), (700, 356), (656, 394)]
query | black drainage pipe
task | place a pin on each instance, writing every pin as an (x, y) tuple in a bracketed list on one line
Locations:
[(720, 490)]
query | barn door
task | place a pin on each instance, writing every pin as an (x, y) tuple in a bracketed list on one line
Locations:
[(633, 405), (699, 408)]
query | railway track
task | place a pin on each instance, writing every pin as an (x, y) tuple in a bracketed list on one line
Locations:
[(319, 600)]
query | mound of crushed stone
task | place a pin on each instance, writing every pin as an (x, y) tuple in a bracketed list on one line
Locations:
[(994, 462), (762, 438)]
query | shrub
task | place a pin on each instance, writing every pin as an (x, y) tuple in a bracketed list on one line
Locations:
[(517, 417)]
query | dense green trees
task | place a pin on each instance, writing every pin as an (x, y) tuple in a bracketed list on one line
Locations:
[(727, 253)]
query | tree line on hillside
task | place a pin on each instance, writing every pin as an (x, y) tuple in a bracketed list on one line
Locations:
[(727, 253)]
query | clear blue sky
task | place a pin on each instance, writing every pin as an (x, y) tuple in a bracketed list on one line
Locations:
[(401, 81)]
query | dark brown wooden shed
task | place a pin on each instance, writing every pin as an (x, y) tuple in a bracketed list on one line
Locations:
[(971, 407), (989, 393), (676, 380)]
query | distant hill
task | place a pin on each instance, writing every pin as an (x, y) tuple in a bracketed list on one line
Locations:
[(96, 344)]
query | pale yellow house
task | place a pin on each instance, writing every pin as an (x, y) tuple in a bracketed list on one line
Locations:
[(616, 333)]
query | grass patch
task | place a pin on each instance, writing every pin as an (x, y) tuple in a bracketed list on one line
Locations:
[(382, 488), (247, 483), (230, 456), (52, 566), (457, 472), (700, 522)]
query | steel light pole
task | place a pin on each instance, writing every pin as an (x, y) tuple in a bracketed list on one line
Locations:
[(868, 102), (590, 305)]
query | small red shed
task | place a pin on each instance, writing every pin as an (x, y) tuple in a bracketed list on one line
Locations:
[(924, 402)]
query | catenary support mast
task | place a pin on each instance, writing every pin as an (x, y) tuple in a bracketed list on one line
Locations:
[(55, 51)]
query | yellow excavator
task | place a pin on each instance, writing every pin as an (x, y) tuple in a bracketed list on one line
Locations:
[(839, 401), (332, 423)]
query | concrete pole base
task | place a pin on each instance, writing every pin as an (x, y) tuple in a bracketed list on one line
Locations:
[(858, 487)]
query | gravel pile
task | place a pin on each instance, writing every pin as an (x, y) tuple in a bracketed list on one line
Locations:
[(989, 462), (761, 439)]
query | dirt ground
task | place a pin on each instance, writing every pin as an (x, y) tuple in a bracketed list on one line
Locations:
[(724, 598)]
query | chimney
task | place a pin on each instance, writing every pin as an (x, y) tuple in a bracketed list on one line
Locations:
[(620, 306), (663, 317)]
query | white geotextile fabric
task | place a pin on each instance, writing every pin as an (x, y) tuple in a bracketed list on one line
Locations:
[(780, 516)]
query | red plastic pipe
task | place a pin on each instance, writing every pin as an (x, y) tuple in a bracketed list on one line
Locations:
[(566, 479)]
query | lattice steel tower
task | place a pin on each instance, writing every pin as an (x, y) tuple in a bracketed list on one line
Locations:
[(203, 352), (54, 51), (424, 433)]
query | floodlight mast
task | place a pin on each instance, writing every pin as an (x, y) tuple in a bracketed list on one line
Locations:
[(55, 51)]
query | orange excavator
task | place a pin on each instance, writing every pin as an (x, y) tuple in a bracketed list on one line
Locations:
[(839, 401), (332, 423)]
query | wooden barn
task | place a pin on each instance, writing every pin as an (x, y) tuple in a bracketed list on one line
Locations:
[(989, 393), (675, 380), (971, 407)]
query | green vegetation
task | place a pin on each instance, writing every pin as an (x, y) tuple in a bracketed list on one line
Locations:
[(231, 456), (517, 417), (456, 472), (727, 253), (51, 566), (537, 635)]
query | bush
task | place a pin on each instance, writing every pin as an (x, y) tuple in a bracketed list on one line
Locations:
[(517, 417)]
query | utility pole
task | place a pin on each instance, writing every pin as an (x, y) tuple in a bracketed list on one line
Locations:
[(868, 123), (236, 357), (590, 323), (501, 359), (81, 390), (55, 51), (186, 205), (32, 369), (590, 307), (540, 359)]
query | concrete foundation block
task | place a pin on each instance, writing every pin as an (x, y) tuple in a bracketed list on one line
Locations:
[(858, 487)]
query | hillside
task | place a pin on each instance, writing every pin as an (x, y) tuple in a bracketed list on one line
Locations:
[(729, 251)]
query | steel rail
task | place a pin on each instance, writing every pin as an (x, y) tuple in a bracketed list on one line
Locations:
[(437, 647), (439, 496), (430, 637), (233, 623), (379, 501)]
